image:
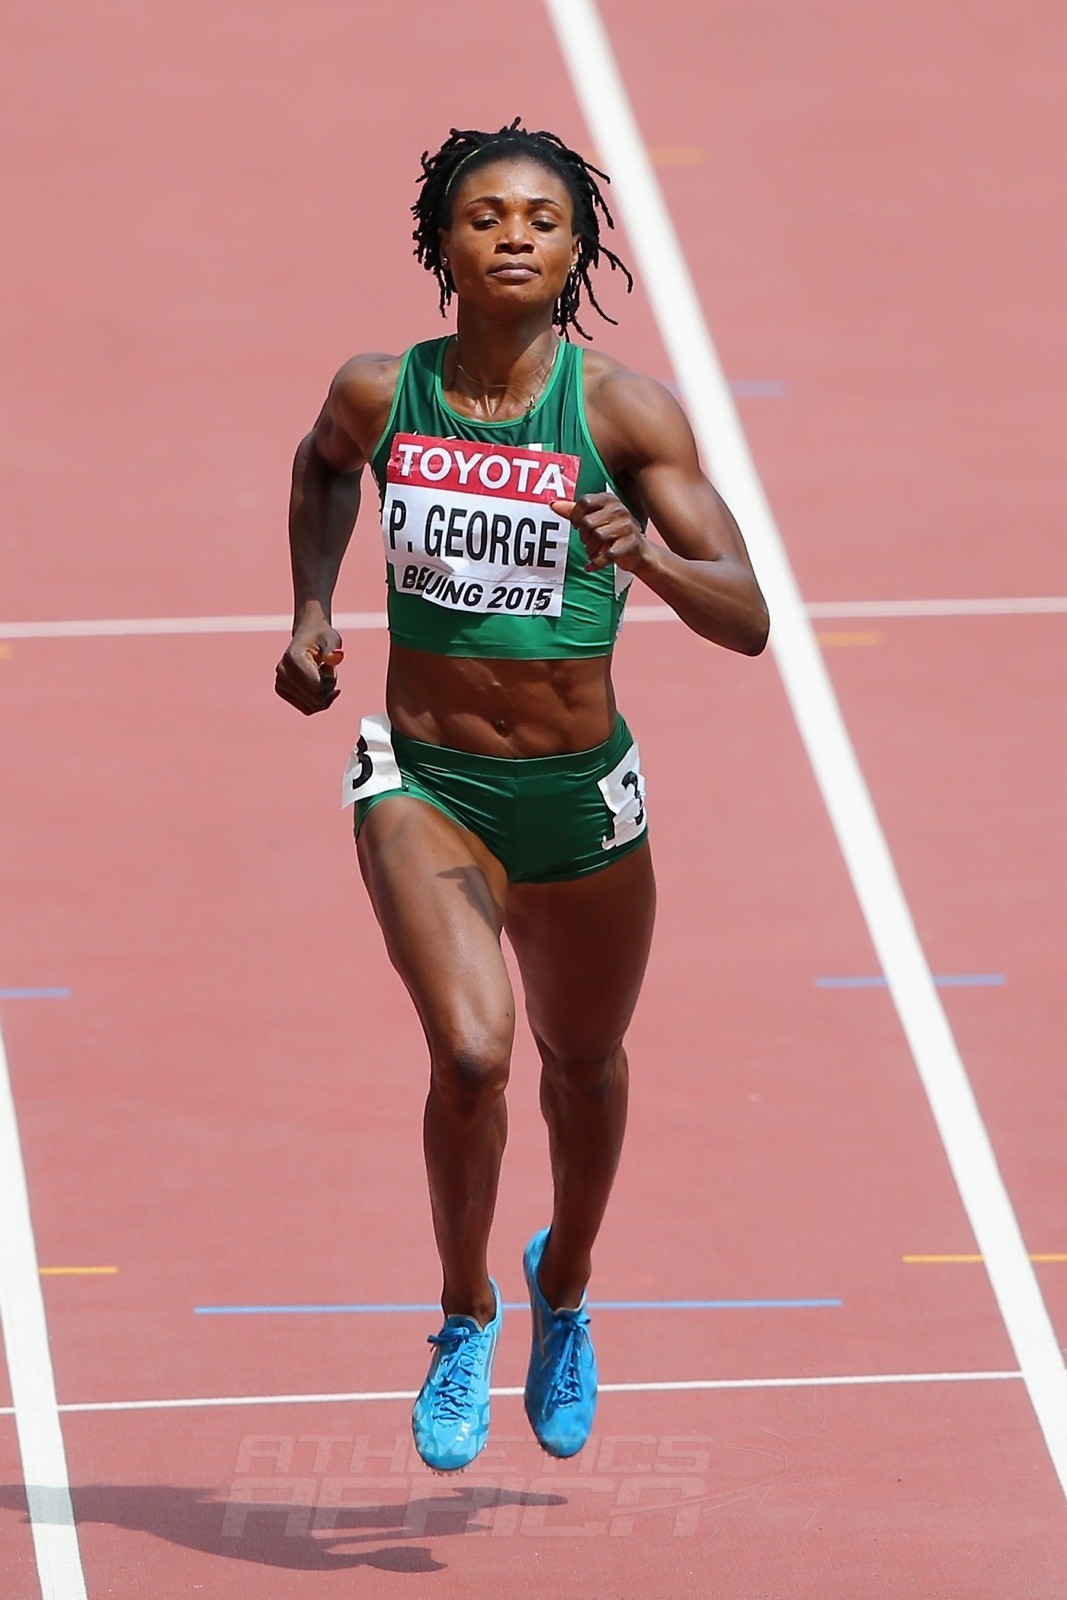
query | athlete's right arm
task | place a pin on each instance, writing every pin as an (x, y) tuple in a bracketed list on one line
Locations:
[(322, 512)]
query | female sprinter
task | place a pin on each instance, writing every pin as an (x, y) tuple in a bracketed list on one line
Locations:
[(502, 792)]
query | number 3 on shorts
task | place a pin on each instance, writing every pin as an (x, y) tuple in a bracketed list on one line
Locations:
[(624, 793), (372, 767)]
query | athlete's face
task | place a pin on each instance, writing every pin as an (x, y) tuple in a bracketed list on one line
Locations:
[(510, 242)]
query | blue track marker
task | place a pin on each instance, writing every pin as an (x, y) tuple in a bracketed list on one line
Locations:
[(34, 994), (522, 1305)]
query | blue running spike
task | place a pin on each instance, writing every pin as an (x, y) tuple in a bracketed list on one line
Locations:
[(450, 1419), (561, 1384)]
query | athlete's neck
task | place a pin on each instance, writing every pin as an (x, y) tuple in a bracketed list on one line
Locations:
[(511, 358)]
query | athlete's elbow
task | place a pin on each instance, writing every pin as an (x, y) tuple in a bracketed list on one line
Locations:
[(757, 633), (749, 630), (744, 620), (739, 635)]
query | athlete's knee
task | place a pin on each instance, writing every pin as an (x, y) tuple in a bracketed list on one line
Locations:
[(470, 1073), (588, 1075)]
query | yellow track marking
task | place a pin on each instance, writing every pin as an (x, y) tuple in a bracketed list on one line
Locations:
[(942, 1260), (677, 155), (847, 639), (76, 1272)]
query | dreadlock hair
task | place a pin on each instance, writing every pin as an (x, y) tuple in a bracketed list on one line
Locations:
[(467, 149)]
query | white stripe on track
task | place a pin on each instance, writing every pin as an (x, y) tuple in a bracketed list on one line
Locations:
[(609, 116), (280, 622), (1023, 606), (681, 1386), (120, 627), (29, 1365)]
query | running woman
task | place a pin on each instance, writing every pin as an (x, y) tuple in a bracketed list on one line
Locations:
[(501, 792)]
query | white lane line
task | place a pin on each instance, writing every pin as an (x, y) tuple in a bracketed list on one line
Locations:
[(609, 116), (134, 627), (120, 627), (681, 1386), (852, 1380), (1021, 606), (29, 1365)]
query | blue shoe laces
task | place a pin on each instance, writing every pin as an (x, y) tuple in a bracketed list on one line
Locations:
[(566, 1389), (456, 1373)]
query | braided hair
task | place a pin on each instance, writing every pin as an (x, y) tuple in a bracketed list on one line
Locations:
[(467, 149)]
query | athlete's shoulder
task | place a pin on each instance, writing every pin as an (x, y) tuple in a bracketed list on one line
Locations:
[(363, 383), (363, 390), (357, 408), (633, 413)]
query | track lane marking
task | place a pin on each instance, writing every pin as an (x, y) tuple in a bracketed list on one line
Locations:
[(281, 622), (122, 627), (849, 641), (948, 980), (34, 994), (990, 606), (927, 1261), (661, 264), (29, 1365), (666, 1386), (76, 1272), (523, 1305)]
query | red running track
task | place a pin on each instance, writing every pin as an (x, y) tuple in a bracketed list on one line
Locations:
[(212, 214)]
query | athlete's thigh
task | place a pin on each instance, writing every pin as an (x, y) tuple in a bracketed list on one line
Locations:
[(582, 947), (438, 895)]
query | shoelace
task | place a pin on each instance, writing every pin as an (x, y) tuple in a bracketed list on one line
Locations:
[(455, 1374), (566, 1382)]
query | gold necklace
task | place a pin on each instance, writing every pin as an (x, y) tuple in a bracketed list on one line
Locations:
[(493, 388)]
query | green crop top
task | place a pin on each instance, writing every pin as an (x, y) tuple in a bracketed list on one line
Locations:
[(478, 564)]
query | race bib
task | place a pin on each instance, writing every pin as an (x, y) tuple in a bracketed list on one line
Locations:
[(469, 526), (624, 791), (372, 765)]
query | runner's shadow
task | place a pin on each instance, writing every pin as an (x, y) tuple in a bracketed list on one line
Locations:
[(472, 887), (294, 1534)]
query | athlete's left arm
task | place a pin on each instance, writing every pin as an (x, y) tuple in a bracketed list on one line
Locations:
[(704, 574)]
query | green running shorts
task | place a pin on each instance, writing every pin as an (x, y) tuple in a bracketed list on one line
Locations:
[(545, 818)]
